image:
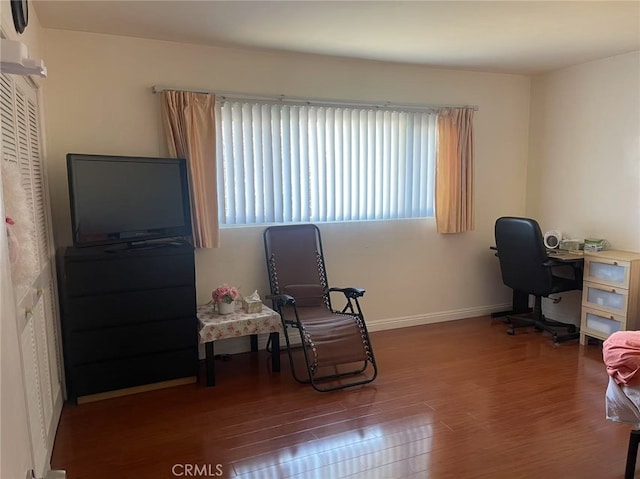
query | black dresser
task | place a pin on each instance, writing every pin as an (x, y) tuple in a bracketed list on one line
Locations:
[(128, 316)]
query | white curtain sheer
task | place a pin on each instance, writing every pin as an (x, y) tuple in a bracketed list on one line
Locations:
[(281, 163)]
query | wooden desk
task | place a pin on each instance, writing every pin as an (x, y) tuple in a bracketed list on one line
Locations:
[(565, 256), (214, 326)]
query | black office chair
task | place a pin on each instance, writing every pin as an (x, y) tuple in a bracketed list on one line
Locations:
[(526, 267)]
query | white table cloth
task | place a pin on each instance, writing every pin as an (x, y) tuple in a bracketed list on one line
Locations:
[(215, 326)]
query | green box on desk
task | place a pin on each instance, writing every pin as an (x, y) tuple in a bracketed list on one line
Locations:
[(251, 306)]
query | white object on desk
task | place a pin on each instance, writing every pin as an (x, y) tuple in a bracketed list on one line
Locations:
[(552, 239), (252, 303), (226, 308)]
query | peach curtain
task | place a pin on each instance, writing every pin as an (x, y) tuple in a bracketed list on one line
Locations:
[(454, 203), (189, 126)]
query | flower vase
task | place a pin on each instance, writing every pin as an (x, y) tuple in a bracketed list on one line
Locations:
[(226, 308)]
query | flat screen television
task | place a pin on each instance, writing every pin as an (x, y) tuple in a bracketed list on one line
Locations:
[(126, 199)]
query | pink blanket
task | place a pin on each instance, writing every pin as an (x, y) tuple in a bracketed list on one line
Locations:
[(621, 354)]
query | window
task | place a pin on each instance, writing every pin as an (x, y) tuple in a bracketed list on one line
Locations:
[(280, 163)]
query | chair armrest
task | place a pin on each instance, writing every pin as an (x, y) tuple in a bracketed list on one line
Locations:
[(352, 293), (281, 299)]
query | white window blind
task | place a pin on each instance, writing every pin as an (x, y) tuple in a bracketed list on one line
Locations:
[(280, 163)]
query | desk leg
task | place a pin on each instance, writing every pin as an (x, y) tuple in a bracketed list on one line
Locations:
[(254, 343), (519, 305), (275, 352), (210, 364)]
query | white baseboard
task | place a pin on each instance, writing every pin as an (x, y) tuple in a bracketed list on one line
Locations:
[(241, 345), (431, 318)]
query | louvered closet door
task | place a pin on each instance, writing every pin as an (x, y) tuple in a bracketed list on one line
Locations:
[(33, 274)]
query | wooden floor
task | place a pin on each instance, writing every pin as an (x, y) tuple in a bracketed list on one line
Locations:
[(453, 400)]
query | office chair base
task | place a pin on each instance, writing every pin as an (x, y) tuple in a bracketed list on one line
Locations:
[(540, 323), (547, 325), (565, 337)]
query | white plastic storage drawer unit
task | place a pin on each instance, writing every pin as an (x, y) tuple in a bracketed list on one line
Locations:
[(610, 294)]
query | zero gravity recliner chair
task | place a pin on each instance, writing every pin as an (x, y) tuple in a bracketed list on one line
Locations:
[(335, 350)]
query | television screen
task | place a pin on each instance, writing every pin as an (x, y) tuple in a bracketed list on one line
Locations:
[(116, 199)]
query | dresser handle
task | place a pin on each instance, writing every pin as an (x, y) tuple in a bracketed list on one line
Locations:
[(613, 290), (612, 317), (615, 263)]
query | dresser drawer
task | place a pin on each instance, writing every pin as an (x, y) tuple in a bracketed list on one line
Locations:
[(599, 324), (136, 273), (605, 298), (117, 309), (130, 341), (607, 271), (125, 373)]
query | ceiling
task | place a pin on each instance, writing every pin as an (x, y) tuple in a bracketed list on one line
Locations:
[(501, 36)]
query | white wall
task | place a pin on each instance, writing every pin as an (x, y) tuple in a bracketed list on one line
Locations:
[(99, 100), (584, 164), (584, 158)]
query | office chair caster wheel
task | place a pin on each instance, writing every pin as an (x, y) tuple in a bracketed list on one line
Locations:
[(511, 331)]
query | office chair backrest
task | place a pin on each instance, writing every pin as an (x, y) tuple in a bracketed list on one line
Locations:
[(522, 254), (296, 263)]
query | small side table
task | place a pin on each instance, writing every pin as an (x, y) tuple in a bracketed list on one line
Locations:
[(214, 326)]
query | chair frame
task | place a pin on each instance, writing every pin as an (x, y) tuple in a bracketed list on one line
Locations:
[(351, 309)]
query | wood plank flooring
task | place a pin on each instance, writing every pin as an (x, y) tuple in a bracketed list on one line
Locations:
[(460, 399)]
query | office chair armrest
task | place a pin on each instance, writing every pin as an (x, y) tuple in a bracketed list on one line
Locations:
[(280, 300), (352, 293)]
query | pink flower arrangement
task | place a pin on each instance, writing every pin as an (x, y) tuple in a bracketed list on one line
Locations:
[(225, 294)]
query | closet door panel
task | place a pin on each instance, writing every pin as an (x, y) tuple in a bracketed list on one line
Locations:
[(25, 196)]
